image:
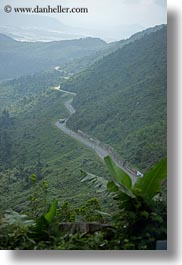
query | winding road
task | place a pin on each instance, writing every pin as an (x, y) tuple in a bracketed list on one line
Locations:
[(85, 139)]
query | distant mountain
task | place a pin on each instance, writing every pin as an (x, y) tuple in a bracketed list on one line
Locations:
[(31, 21), (29, 27), (121, 99), (36, 28), (18, 58)]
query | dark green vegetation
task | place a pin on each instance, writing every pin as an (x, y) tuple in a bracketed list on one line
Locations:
[(22, 90), (18, 58), (137, 221), (46, 201), (6, 124), (121, 100)]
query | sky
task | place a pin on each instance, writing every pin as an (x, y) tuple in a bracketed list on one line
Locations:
[(105, 15)]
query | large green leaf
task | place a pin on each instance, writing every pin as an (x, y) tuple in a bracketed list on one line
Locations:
[(111, 186), (51, 213), (117, 173), (150, 185), (120, 178)]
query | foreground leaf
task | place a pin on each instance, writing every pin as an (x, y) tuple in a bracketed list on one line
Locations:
[(120, 178), (150, 185), (117, 173), (51, 213)]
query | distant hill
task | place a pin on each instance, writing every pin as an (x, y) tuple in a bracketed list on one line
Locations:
[(121, 99), (36, 28), (18, 58), (78, 65)]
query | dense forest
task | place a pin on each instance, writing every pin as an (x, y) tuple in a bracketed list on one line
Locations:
[(55, 192)]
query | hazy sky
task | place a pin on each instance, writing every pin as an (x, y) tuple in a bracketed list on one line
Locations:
[(104, 13), (107, 19)]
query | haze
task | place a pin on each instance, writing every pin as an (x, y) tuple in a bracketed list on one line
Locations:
[(114, 19)]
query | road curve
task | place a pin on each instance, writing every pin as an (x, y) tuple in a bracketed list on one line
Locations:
[(89, 142)]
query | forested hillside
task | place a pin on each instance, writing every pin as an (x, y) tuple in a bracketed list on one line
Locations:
[(77, 65), (30, 144), (18, 58), (122, 99)]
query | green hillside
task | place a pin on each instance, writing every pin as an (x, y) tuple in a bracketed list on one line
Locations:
[(77, 65), (19, 58), (30, 143), (121, 99)]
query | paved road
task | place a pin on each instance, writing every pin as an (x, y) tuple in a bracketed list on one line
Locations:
[(89, 142)]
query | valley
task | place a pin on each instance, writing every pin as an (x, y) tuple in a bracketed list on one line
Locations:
[(83, 140)]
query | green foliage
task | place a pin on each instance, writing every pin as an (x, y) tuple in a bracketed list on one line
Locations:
[(90, 211), (139, 224), (6, 129), (119, 176), (150, 185), (82, 242), (146, 187), (17, 231), (21, 91), (14, 218), (66, 213), (139, 217), (13, 237), (38, 199), (33, 178), (136, 222), (51, 213)]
